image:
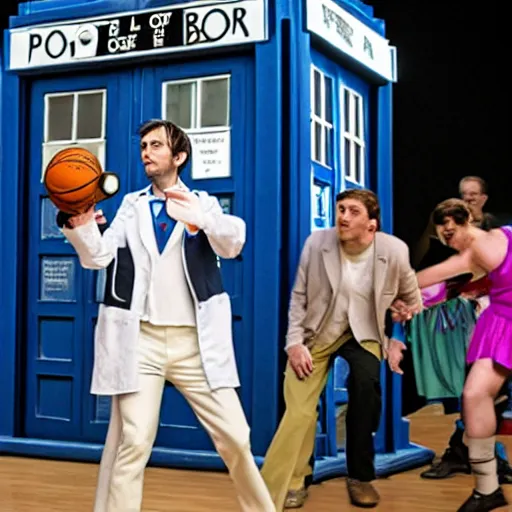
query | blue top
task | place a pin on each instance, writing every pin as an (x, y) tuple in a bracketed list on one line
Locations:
[(162, 223)]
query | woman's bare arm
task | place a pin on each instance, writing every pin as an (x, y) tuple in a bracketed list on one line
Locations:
[(453, 266)]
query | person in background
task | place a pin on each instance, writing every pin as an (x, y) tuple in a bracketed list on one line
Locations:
[(473, 191)]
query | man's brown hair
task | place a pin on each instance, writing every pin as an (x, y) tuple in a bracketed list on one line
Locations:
[(176, 137), (365, 196)]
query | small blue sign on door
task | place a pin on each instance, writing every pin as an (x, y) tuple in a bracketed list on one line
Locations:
[(320, 206), (58, 279)]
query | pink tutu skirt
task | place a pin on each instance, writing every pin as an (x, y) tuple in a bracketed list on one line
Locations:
[(492, 337)]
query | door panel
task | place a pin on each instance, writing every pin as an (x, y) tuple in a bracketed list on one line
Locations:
[(209, 100), (340, 144), (60, 294)]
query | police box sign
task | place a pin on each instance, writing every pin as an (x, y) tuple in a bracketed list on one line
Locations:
[(336, 26), (170, 29)]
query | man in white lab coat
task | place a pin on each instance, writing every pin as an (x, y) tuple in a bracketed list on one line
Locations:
[(165, 316)]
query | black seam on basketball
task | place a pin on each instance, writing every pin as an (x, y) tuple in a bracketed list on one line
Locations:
[(96, 178), (72, 154), (94, 169)]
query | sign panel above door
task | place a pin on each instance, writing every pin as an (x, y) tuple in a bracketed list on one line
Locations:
[(176, 28)]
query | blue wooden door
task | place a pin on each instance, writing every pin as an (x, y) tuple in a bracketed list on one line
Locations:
[(62, 297), (213, 102), (340, 154)]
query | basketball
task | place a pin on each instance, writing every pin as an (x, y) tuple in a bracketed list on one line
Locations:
[(75, 181)]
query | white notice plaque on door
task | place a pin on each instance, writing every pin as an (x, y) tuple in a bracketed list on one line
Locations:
[(211, 154)]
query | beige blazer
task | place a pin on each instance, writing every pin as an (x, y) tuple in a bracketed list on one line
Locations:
[(318, 278)]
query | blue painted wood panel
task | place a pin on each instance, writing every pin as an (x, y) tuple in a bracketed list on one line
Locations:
[(61, 305)]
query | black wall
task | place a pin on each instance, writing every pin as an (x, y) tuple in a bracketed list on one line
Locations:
[(452, 104)]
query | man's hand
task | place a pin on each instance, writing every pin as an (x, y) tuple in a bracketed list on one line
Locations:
[(185, 207), (401, 312), (395, 355), (300, 360), (82, 218), (100, 218)]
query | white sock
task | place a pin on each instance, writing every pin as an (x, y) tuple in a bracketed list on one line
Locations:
[(483, 463)]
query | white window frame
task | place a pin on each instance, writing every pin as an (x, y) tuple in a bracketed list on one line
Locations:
[(196, 102), (74, 140), (350, 135), (321, 120)]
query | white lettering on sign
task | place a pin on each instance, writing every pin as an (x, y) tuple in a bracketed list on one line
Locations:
[(352, 37), (211, 154), (160, 20), (133, 25), (174, 28), (122, 43)]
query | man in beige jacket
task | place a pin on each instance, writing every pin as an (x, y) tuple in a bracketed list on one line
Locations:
[(348, 278)]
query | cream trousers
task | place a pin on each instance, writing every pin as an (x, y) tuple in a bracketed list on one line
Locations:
[(172, 353)]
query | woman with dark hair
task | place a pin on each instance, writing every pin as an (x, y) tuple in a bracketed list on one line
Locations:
[(437, 338), (490, 351)]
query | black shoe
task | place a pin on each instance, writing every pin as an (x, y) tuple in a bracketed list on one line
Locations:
[(478, 502), (504, 471), (450, 464)]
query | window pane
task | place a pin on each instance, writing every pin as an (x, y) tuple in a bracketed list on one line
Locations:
[(346, 109), (318, 94), (60, 117), (348, 160), (90, 116), (358, 115), (178, 108), (215, 103), (359, 163), (49, 228), (318, 142), (328, 147), (328, 100)]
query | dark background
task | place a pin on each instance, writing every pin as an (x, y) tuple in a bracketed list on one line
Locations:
[(451, 102)]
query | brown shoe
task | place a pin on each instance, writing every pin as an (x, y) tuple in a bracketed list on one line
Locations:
[(362, 494), (296, 499)]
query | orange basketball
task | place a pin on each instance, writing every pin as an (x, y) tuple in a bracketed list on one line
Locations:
[(71, 179)]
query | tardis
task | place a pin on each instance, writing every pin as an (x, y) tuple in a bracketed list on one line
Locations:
[(286, 102)]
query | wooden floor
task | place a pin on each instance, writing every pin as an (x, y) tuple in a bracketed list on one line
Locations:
[(47, 486)]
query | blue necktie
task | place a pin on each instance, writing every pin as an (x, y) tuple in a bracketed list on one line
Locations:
[(162, 223)]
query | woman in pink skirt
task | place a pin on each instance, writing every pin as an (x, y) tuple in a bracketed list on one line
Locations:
[(490, 350)]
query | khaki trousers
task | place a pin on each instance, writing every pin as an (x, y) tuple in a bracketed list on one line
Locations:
[(172, 353), (287, 462)]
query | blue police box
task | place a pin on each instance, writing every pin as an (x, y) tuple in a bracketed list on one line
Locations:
[(286, 102)]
